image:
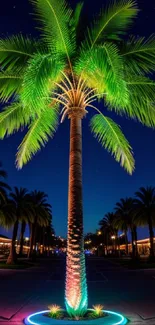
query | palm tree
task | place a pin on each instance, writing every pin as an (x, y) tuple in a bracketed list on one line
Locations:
[(145, 200), (22, 212), (41, 216), (107, 225), (125, 219), (3, 186), (71, 70)]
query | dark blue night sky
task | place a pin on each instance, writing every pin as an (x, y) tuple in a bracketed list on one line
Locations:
[(104, 181)]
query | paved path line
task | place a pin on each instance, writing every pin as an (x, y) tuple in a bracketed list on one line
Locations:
[(102, 275), (2, 318)]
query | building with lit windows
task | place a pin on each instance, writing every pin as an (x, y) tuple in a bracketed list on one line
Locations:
[(5, 243)]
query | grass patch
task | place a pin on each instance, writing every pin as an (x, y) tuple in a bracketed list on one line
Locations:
[(19, 266), (63, 315)]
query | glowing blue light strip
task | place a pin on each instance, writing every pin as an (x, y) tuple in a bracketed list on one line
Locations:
[(35, 314), (123, 320)]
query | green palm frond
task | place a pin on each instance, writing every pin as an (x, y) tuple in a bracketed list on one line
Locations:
[(13, 118), (105, 72), (142, 100), (111, 137), (76, 15), (139, 54), (141, 103), (15, 51), (10, 85), (55, 17), (112, 22), (38, 134), (40, 77)]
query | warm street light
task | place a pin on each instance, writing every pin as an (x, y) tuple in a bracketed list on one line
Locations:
[(88, 242), (113, 237), (99, 232)]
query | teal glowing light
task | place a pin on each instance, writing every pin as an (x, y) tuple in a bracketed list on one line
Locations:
[(29, 321), (39, 319), (122, 321)]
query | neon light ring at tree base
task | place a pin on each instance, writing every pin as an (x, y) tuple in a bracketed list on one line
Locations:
[(40, 318)]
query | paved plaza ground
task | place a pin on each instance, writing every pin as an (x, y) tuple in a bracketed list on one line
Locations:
[(131, 292)]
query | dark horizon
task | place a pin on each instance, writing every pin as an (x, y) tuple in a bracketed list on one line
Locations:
[(104, 181)]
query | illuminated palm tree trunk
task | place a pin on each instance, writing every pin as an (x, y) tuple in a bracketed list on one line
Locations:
[(76, 286)]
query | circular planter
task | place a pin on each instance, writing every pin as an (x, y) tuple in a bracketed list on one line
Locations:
[(40, 318)]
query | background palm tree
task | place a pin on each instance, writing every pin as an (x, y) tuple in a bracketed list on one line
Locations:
[(126, 219), (145, 200), (4, 187), (107, 225), (73, 73), (7, 213), (41, 217), (22, 210)]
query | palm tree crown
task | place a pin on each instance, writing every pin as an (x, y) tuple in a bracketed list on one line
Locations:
[(20, 199), (61, 71), (42, 215), (125, 213), (108, 223), (40, 207)]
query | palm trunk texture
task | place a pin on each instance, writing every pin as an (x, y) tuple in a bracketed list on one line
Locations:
[(76, 298)]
